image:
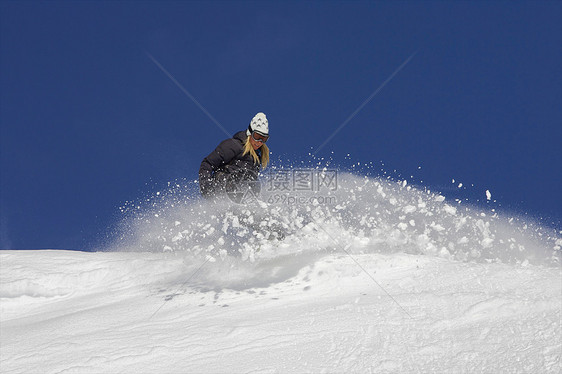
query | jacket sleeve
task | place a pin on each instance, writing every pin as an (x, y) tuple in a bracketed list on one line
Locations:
[(222, 155)]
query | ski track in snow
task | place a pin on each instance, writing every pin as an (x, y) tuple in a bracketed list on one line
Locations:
[(198, 287)]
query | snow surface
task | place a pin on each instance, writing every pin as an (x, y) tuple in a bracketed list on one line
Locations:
[(384, 277)]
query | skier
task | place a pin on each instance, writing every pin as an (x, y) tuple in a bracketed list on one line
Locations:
[(236, 161)]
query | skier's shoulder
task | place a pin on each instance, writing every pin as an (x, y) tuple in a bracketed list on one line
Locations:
[(231, 146), (240, 137), (236, 142)]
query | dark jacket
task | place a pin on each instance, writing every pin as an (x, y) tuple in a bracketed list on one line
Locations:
[(226, 165)]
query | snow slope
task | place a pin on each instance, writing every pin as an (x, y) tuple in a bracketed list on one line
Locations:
[(94, 312), (385, 278)]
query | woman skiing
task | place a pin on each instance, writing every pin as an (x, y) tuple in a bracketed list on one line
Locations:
[(236, 161)]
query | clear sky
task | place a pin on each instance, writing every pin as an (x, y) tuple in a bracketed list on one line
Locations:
[(89, 120)]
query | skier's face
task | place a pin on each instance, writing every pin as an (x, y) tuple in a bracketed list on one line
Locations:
[(254, 143), (256, 140)]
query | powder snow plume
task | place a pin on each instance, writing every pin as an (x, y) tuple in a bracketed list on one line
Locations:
[(358, 215)]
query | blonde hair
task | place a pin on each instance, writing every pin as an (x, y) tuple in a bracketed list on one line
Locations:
[(264, 153)]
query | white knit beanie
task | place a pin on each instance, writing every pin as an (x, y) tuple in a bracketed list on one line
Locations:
[(258, 124)]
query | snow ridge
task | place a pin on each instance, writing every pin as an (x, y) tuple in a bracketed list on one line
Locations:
[(374, 276)]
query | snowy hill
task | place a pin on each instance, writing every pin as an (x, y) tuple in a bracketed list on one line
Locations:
[(385, 278), (94, 312)]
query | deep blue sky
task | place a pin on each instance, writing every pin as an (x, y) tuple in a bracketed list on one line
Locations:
[(88, 121)]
